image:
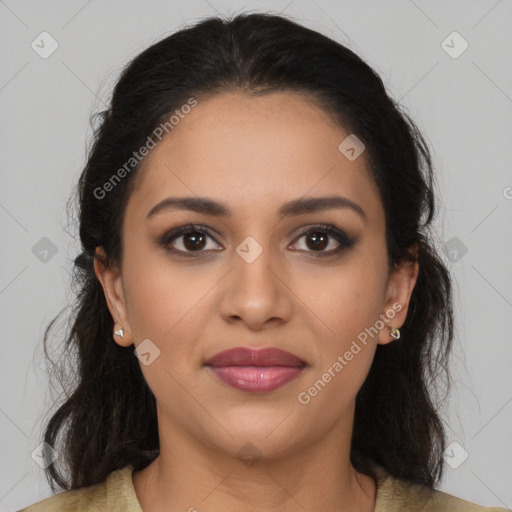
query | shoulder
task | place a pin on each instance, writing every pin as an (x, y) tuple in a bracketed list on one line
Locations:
[(395, 495), (115, 494)]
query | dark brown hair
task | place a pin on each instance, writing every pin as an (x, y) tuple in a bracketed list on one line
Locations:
[(107, 419)]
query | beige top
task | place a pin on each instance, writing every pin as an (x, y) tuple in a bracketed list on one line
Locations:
[(117, 494)]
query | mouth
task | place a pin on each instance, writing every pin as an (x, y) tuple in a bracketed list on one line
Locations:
[(256, 371)]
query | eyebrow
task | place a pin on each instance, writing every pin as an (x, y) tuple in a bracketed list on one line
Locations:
[(296, 207)]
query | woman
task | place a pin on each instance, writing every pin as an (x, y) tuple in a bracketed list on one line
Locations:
[(262, 311)]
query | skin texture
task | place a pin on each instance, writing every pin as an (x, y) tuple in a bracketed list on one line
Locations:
[(254, 154)]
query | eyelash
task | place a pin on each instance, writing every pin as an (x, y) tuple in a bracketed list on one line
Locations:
[(345, 241)]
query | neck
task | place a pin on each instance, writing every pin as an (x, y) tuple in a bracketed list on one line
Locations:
[(188, 475)]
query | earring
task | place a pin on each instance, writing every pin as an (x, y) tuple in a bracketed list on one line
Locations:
[(120, 333), (395, 333)]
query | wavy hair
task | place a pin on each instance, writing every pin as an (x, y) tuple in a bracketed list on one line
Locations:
[(107, 418)]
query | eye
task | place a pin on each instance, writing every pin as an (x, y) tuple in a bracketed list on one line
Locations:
[(194, 240), (318, 238)]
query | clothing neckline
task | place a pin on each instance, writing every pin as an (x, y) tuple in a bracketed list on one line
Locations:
[(123, 478)]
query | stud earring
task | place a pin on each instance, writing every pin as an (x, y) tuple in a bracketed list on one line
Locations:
[(120, 333), (395, 333)]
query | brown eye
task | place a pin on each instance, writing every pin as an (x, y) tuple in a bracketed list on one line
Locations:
[(187, 239), (194, 241), (319, 241), (319, 238)]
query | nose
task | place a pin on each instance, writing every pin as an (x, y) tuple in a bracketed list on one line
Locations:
[(255, 292)]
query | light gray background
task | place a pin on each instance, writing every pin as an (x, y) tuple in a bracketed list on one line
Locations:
[(463, 105)]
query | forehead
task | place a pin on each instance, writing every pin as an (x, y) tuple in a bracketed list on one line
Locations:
[(247, 151)]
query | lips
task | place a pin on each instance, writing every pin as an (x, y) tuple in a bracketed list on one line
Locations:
[(242, 356), (256, 370)]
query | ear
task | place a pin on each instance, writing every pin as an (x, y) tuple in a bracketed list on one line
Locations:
[(112, 283), (400, 285)]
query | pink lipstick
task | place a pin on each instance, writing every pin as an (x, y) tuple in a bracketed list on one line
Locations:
[(256, 370)]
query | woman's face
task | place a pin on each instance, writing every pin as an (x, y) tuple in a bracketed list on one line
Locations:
[(255, 278)]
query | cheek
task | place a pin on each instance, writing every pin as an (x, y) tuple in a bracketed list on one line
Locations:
[(164, 306), (349, 307), (170, 305), (348, 300), (159, 294)]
